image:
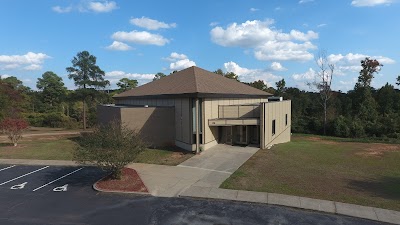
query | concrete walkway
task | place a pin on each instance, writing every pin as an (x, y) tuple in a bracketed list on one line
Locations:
[(209, 169)]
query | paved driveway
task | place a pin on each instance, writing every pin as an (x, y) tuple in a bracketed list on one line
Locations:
[(209, 169), (78, 203)]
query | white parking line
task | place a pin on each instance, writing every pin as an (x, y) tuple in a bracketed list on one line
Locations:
[(25, 175), (57, 179), (7, 168)]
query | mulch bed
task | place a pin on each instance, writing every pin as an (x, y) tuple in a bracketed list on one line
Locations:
[(129, 182)]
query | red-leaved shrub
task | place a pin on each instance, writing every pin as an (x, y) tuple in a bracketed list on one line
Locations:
[(13, 128)]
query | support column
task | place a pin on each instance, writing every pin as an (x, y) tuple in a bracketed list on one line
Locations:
[(197, 127), (262, 125)]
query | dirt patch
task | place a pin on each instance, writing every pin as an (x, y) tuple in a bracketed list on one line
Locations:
[(312, 138), (129, 182), (378, 150), (177, 155), (49, 138)]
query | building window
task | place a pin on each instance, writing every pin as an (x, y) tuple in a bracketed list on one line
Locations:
[(286, 120), (273, 127)]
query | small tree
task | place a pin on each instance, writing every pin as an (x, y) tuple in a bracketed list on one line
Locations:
[(13, 128), (323, 82), (126, 84), (111, 147), (159, 76), (280, 87)]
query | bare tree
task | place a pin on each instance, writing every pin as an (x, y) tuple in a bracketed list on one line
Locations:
[(323, 81)]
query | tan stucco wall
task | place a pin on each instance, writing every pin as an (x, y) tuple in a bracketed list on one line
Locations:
[(210, 108), (275, 111), (182, 115), (182, 121), (155, 124), (106, 114)]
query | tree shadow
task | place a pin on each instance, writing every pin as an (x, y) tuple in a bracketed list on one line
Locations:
[(173, 149), (386, 187), (75, 139), (6, 144)]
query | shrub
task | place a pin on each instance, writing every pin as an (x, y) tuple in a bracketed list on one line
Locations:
[(357, 129), (55, 120), (111, 147), (35, 119), (340, 127), (13, 128)]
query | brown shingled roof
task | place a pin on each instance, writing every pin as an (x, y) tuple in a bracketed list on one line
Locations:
[(196, 82)]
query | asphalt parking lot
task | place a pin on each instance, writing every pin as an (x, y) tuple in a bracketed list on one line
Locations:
[(64, 195)]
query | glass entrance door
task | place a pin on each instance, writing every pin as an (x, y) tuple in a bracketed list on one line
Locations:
[(241, 135)]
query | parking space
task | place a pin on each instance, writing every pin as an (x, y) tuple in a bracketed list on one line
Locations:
[(19, 180)]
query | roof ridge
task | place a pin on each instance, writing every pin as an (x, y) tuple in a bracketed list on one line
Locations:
[(195, 78)]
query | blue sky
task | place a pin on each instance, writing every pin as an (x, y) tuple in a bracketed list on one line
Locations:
[(256, 39)]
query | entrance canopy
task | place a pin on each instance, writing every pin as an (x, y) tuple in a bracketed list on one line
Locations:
[(233, 122)]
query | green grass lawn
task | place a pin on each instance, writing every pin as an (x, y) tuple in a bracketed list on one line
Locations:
[(62, 147), (325, 168)]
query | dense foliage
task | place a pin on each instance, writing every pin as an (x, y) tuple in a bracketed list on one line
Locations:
[(111, 147)]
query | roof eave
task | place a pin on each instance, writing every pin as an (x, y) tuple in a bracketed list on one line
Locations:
[(197, 95)]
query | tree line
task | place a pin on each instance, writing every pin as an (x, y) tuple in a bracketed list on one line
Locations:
[(361, 112)]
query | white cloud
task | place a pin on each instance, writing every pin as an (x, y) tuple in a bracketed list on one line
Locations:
[(250, 75), (119, 46), (151, 24), (277, 8), (179, 61), (116, 75), (254, 9), (60, 9), (370, 3), (267, 42), (309, 75), (321, 25), (213, 24), (181, 64), (88, 6), (30, 61), (276, 66), (305, 1), (175, 56), (102, 7), (4, 76), (352, 62), (9, 66), (33, 67), (140, 37)]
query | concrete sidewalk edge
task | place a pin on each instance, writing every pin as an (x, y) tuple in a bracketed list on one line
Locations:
[(365, 212)]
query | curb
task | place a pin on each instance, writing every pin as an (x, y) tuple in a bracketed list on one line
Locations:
[(121, 192), (338, 208)]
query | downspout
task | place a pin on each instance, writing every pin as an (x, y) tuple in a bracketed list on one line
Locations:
[(197, 127)]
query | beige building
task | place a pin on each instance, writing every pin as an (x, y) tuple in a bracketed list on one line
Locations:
[(196, 109)]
